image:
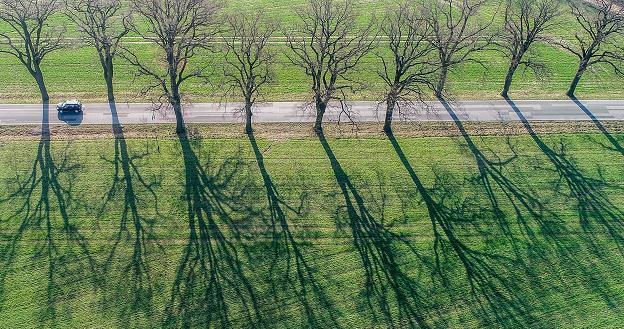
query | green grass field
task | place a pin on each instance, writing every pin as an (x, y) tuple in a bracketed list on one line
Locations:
[(460, 232), (76, 73)]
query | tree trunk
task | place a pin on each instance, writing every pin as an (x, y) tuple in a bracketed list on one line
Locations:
[(248, 114), (176, 103), (175, 99), (390, 105), (38, 75), (439, 92), (509, 78), (177, 110), (109, 89), (577, 78), (321, 106), (108, 76)]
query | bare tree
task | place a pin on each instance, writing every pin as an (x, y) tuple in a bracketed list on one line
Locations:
[(600, 23), (29, 35), (103, 24), (181, 29), (410, 66), (458, 33), (328, 44), (526, 21), (249, 61)]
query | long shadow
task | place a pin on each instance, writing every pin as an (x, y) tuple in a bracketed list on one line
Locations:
[(298, 276), (546, 240), (593, 205), (527, 206), (388, 289), (614, 142), (496, 293), (211, 287), (135, 281), (43, 199)]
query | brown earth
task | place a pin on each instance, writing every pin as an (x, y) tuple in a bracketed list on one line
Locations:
[(281, 131)]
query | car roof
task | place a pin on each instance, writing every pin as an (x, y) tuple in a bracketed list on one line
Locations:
[(72, 102)]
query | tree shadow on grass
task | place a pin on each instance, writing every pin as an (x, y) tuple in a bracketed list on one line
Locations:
[(388, 289), (298, 275), (526, 205), (211, 287), (134, 279), (544, 232), (497, 295), (615, 144), (593, 205), (43, 200)]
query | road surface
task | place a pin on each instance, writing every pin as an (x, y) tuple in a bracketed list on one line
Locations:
[(134, 113)]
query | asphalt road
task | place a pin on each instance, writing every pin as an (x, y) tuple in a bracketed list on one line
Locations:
[(568, 110)]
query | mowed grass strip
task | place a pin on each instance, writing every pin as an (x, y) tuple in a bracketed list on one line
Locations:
[(337, 233)]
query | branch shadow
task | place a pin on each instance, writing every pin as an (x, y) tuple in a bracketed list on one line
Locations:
[(497, 295), (545, 239), (388, 289), (133, 273), (593, 205), (211, 287), (43, 200), (616, 146), (298, 275), (527, 205)]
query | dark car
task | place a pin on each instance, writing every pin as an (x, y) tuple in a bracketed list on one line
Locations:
[(70, 106)]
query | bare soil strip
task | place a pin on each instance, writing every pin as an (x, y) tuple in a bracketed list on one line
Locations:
[(284, 131)]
